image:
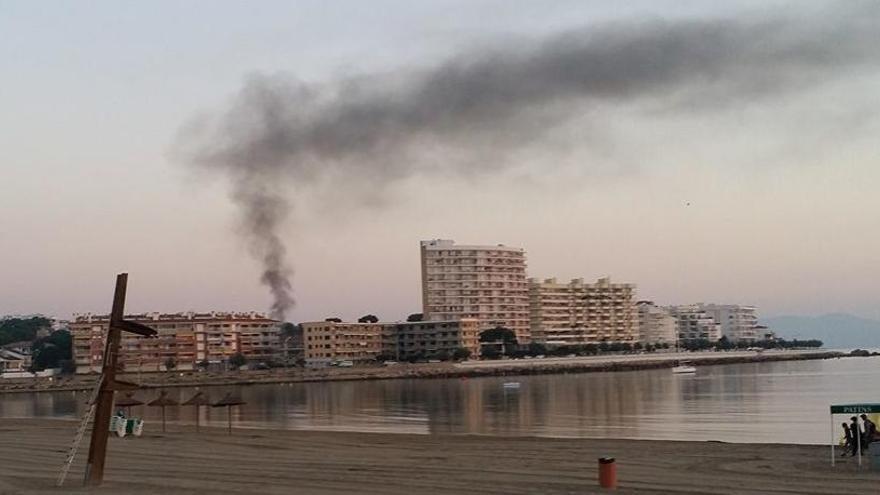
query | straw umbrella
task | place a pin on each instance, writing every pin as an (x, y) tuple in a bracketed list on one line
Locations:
[(228, 401), (163, 401), (128, 402), (198, 400)]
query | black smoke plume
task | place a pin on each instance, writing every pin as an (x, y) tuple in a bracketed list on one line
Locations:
[(458, 116)]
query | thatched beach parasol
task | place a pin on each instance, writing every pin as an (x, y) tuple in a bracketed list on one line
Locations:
[(228, 401), (198, 400), (163, 401), (128, 402)]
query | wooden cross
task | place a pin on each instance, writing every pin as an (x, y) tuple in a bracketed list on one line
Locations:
[(109, 384)]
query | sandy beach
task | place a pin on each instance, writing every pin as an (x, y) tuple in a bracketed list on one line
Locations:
[(282, 462)]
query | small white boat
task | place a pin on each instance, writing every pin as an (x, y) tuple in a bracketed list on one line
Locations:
[(684, 368), (511, 385)]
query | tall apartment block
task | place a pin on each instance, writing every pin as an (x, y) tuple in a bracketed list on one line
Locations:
[(185, 338), (656, 324), (694, 323), (487, 283), (582, 313), (329, 341), (738, 323)]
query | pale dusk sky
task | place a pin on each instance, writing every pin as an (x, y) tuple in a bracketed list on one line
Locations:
[(773, 202)]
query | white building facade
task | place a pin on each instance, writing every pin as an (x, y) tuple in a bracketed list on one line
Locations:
[(694, 323), (656, 324), (738, 323), (486, 283)]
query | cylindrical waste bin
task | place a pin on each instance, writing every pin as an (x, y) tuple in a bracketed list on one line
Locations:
[(607, 472)]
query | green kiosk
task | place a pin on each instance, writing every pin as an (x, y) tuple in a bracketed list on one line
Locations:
[(852, 410)]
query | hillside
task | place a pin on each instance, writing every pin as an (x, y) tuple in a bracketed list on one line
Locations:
[(837, 330)]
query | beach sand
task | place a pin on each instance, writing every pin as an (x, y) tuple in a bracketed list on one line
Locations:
[(305, 462)]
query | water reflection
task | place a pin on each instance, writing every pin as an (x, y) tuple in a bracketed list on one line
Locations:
[(756, 402)]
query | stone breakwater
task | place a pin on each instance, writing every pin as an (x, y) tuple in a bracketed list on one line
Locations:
[(470, 369)]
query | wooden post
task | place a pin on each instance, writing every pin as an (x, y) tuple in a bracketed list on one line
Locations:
[(229, 419), (94, 474), (104, 407)]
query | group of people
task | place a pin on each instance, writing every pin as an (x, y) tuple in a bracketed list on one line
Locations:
[(855, 436)]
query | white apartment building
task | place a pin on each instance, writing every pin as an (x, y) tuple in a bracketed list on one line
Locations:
[(582, 313), (694, 323), (656, 324), (738, 323), (487, 283)]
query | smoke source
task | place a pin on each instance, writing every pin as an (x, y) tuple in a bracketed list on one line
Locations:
[(281, 136)]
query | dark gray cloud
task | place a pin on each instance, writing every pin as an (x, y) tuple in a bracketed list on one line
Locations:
[(281, 134)]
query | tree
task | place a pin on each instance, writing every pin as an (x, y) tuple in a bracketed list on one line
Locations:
[(498, 335), (637, 346), (416, 356), (536, 349), (22, 329), (461, 353), (490, 352), (170, 363), (415, 317), (237, 360), (385, 356), (442, 355), (724, 343), (50, 351), (203, 364), (368, 319), (333, 319)]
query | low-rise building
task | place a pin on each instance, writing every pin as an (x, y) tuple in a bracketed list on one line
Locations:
[(326, 342), (183, 340), (435, 338), (582, 313), (656, 324)]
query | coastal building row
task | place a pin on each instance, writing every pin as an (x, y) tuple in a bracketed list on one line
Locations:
[(183, 340), (466, 289), (326, 342), (488, 283)]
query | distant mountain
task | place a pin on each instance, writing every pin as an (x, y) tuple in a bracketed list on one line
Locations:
[(837, 331)]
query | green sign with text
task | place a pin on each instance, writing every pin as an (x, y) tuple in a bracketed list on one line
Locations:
[(856, 409)]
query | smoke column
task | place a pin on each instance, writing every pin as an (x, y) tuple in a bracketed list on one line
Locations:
[(280, 135)]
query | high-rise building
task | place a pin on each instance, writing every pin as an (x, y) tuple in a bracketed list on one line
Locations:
[(738, 323), (329, 341), (184, 339), (694, 323), (487, 283), (582, 313), (656, 324)]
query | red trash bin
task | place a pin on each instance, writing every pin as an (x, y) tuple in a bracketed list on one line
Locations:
[(607, 472)]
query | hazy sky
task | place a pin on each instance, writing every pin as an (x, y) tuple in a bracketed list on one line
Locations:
[(771, 200)]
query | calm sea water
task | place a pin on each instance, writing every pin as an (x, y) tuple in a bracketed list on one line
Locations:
[(759, 402)]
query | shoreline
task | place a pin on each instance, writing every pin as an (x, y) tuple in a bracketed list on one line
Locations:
[(467, 369), (321, 462)]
